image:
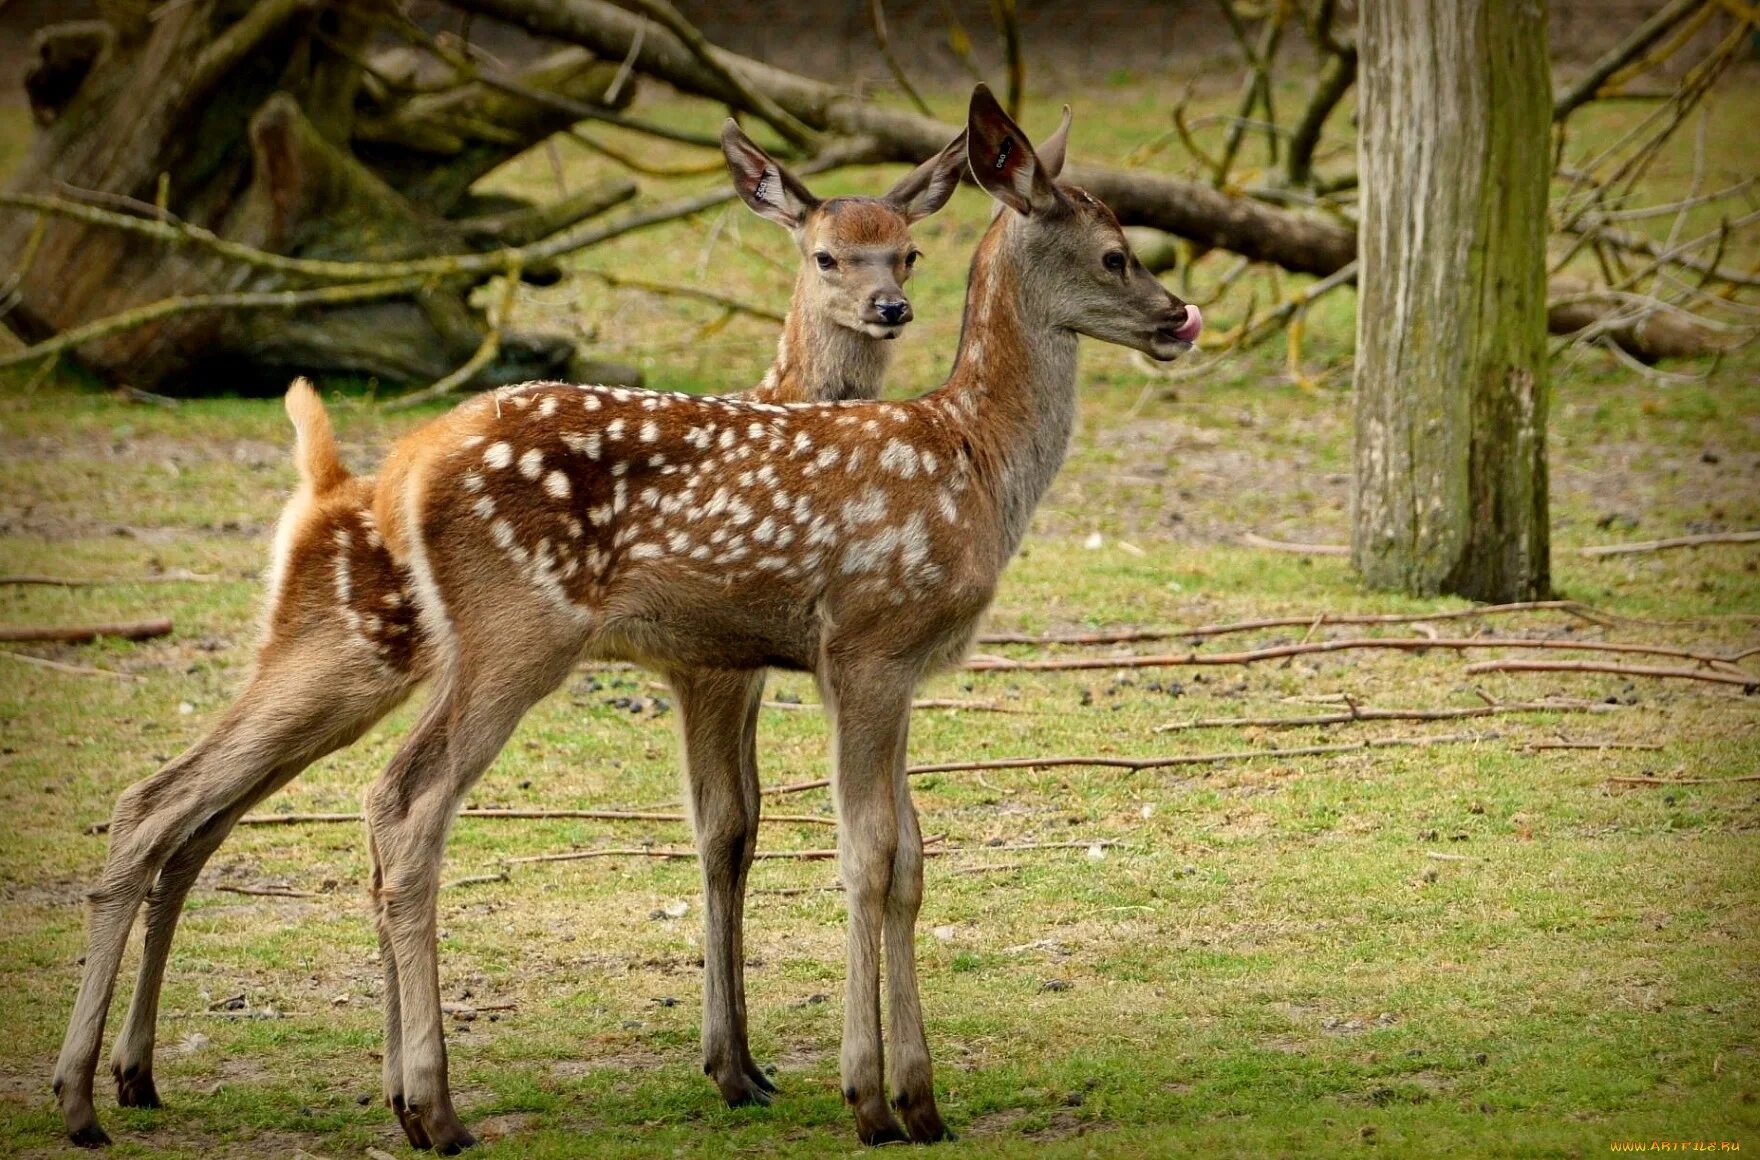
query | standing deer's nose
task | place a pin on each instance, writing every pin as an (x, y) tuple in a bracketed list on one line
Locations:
[(892, 311)]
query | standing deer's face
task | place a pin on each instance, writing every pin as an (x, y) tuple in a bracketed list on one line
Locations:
[(857, 252), (1078, 264)]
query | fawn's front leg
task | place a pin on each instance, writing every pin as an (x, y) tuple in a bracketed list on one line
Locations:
[(718, 713)]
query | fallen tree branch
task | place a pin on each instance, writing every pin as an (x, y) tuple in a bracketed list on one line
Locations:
[(826, 855), (1137, 764), (695, 293), (1368, 713), (1129, 636), (84, 634), (1747, 683), (1278, 652), (515, 814), (1673, 542)]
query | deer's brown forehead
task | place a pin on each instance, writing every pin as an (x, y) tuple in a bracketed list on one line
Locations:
[(859, 221)]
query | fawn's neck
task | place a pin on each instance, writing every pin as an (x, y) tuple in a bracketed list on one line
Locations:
[(1014, 381), (818, 360)]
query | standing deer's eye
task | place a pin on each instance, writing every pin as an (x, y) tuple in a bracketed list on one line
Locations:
[(826, 261), (910, 260), (1114, 261)]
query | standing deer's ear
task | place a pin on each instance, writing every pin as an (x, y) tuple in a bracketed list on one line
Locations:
[(1052, 149), (926, 188), (1002, 158), (772, 191)]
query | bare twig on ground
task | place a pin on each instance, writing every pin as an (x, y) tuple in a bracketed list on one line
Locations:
[(1683, 780), (1134, 635), (1137, 764), (823, 855), (1747, 683), (1366, 713), (97, 581), (268, 891), (83, 634), (925, 703), (1254, 540), (1751, 537), (510, 814), (64, 667), (1277, 652), (476, 880), (1549, 745)]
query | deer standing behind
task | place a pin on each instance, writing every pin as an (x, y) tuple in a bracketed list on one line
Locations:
[(859, 541), (344, 644)]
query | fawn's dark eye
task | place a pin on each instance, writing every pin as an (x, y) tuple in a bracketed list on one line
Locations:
[(1114, 261), (826, 261), (910, 260)]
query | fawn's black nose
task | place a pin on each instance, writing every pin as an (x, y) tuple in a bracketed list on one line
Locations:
[(892, 311)]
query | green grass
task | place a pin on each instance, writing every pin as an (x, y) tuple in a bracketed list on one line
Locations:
[(1270, 961)]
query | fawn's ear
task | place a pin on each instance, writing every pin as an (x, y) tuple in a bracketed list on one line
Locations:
[(926, 188), (772, 191), (1002, 158), (1052, 149)]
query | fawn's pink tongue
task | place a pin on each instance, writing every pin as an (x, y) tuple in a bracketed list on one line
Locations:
[(1188, 330)]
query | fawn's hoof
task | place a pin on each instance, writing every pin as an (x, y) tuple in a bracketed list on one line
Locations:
[(135, 1089), (411, 1123), (89, 1136), (743, 1084)]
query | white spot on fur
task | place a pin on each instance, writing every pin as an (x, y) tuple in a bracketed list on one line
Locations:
[(499, 455), (900, 458), (531, 464), (556, 484)]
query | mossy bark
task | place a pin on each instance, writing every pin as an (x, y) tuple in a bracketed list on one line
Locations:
[(1451, 382)]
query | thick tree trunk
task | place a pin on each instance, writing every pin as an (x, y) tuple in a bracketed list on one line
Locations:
[(251, 120), (1451, 320)]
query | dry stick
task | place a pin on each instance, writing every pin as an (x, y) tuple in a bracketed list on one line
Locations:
[(83, 634), (1648, 745), (95, 581), (877, 21), (1752, 537), (1254, 540), (1135, 764), (476, 880), (1399, 643), (1133, 635), (1683, 780), (1748, 684), (268, 891), (1366, 713), (64, 667), (591, 815), (671, 854), (926, 703)]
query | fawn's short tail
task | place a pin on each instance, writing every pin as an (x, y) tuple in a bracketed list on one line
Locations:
[(314, 445)]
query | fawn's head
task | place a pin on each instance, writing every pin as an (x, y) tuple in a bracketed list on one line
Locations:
[(858, 250), (1076, 263)]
